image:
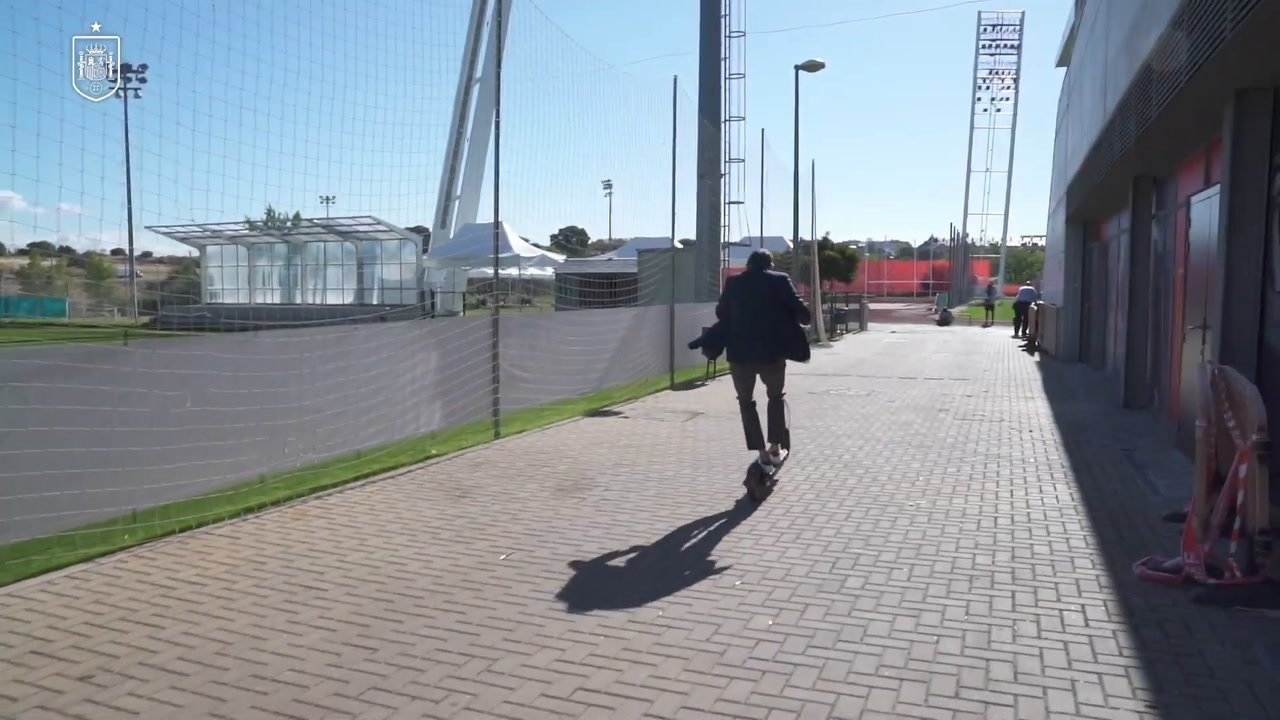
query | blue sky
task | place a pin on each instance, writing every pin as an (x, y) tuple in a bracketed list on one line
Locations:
[(257, 101)]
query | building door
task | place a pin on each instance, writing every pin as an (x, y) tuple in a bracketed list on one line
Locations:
[(1269, 347), (1198, 331), (1094, 304)]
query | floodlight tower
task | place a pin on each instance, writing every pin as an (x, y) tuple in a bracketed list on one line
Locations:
[(607, 186), (472, 121), (474, 124), (993, 121), (132, 78)]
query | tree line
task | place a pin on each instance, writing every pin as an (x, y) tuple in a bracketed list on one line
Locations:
[(58, 270), (48, 249)]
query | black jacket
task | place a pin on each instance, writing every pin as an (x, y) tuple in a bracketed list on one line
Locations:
[(711, 341), (761, 314)]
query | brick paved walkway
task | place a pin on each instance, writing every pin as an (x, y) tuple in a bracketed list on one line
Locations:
[(913, 564)]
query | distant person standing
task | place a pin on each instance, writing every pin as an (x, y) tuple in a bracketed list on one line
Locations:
[(1027, 294), (989, 305)]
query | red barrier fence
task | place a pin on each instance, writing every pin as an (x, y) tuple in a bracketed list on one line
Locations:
[(906, 278)]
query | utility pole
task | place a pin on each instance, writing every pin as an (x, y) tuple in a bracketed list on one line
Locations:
[(811, 65)]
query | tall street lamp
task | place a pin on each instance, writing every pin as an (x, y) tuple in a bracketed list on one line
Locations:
[(608, 193), (132, 78), (811, 65), (326, 201)]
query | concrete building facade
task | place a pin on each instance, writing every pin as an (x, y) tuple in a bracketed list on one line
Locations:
[(1163, 245)]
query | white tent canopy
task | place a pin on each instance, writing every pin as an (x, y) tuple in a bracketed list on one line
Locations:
[(512, 273), (772, 243), (636, 244), (740, 251), (472, 247), (737, 252)]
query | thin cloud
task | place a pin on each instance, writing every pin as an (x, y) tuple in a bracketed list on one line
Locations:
[(13, 202)]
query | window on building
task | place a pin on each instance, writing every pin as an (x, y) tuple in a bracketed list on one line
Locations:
[(276, 273), (390, 269), (226, 274), (325, 272), (330, 273)]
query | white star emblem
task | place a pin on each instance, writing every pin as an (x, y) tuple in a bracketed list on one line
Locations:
[(95, 27)]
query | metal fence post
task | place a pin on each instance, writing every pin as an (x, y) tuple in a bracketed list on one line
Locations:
[(671, 251), (495, 311)]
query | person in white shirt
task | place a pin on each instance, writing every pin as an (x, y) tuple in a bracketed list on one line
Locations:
[(1027, 294)]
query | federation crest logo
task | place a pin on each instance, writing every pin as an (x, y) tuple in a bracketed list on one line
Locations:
[(95, 65)]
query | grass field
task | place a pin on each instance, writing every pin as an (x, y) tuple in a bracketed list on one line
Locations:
[(29, 558), (26, 333), (34, 332), (975, 312)]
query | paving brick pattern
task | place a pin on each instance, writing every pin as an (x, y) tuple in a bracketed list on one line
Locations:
[(945, 544)]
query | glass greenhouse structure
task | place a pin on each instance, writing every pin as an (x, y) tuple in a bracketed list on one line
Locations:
[(320, 261)]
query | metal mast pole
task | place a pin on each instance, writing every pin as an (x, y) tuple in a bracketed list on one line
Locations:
[(495, 310), (1013, 134), (672, 250), (795, 180), (953, 296), (816, 275)]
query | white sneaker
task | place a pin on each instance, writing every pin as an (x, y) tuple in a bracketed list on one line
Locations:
[(776, 459)]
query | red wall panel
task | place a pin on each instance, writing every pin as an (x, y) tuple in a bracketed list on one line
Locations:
[(1191, 175), (1215, 162)]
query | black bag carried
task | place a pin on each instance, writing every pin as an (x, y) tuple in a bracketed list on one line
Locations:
[(798, 349)]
